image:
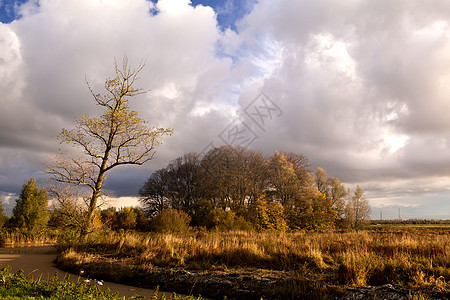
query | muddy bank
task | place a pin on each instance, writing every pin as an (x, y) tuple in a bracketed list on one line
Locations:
[(240, 283), (214, 284), (37, 261)]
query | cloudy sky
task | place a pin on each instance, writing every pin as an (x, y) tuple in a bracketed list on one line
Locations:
[(361, 87)]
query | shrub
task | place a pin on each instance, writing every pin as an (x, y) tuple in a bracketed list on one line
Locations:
[(228, 220), (109, 217), (171, 221), (203, 214), (126, 218), (268, 216)]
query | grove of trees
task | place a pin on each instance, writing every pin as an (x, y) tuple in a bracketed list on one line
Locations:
[(229, 188), (236, 185)]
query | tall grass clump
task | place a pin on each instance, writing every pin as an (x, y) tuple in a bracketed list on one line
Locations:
[(18, 238)]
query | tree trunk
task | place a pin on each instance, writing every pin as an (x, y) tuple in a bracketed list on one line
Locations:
[(96, 192)]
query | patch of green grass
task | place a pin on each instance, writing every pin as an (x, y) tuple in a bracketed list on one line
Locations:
[(17, 286)]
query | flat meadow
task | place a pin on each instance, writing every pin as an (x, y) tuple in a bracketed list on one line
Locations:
[(269, 265)]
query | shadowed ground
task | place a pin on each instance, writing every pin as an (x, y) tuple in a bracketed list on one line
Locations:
[(38, 261)]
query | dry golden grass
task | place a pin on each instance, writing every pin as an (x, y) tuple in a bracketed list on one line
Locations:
[(413, 258), (18, 238)]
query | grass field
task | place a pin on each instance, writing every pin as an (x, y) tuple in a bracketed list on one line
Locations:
[(314, 263)]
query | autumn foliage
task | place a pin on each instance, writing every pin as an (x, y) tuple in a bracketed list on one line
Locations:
[(237, 188)]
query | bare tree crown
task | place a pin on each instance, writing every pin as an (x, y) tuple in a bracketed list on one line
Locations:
[(118, 137)]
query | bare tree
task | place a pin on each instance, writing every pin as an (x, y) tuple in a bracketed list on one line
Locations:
[(333, 188), (338, 193), (68, 207), (184, 182), (321, 181), (357, 209), (220, 177), (233, 177), (286, 184), (154, 194), (290, 178), (118, 137)]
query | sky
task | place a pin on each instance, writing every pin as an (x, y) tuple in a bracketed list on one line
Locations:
[(360, 87)]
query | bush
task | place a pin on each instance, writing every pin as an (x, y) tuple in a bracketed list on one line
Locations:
[(171, 221), (126, 218), (228, 220), (268, 216)]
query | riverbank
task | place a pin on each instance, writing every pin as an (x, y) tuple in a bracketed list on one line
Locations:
[(38, 262), (214, 284), (251, 284)]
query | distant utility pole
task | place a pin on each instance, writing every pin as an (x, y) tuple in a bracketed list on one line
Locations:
[(381, 215), (399, 213)]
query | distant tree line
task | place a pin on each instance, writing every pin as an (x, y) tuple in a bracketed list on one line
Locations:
[(235, 187), (229, 188)]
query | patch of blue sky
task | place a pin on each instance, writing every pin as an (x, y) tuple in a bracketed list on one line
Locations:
[(154, 9), (9, 10), (229, 12)]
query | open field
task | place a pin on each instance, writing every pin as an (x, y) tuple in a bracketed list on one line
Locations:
[(429, 226), (416, 261)]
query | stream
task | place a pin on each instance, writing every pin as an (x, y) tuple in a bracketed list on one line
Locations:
[(37, 261)]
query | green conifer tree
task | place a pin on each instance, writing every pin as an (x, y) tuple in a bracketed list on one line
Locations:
[(31, 210)]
